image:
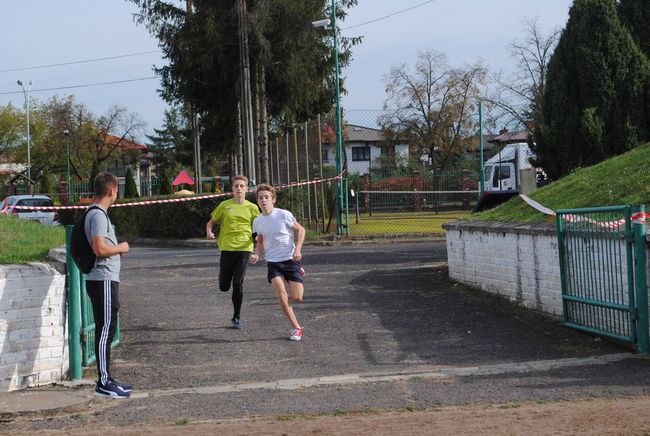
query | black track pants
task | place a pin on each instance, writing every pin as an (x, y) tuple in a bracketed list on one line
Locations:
[(232, 269), (105, 300)]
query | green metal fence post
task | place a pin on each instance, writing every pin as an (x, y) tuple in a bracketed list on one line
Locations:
[(74, 310), (641, 286)]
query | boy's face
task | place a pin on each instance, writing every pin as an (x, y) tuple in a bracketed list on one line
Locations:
[(239, 188), (265, 201)]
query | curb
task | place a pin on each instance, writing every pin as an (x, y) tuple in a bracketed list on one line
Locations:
[(204, 243)]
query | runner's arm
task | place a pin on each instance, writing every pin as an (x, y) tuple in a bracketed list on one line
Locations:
[(300, 238)]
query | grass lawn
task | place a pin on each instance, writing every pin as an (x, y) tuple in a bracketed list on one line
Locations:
[(23, 241), (401, 223)]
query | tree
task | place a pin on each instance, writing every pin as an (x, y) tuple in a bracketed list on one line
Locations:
[(433, 109), (635, 15), (519, 97), (12, 126), (45, 182), (172, 144), (91, 138), (595, 99), (130, 189), (292, 60), (93, 172), (165, 185)]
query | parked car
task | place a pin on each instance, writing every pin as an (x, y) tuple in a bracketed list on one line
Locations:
[(44, 216)]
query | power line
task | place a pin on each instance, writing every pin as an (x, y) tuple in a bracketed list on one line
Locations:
[(79, 62), (389, 15), (83, 86)]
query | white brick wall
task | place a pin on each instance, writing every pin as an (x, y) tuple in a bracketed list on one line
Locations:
[(519, 262), (33, 335)]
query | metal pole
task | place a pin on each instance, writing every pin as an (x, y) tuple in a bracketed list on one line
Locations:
[(277, 160), (286, 136), (480, 138), (295, 150), (339, 163), (307, 172), (67, 149), (74, 311), (641, 285), (29, 154), (320, 165), (197, 152)]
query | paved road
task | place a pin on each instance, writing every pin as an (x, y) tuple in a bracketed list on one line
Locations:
[(384, 328)]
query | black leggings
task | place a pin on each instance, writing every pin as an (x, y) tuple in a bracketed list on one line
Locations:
[(232, 269), (105, 301)]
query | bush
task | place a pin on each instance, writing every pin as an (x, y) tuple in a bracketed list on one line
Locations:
[(130, 190)]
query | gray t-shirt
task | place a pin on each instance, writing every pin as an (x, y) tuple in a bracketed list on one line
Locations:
[(106, 268)]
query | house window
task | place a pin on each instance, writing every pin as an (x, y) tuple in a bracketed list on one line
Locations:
[(388, 151), (325, 156), (360, 153)]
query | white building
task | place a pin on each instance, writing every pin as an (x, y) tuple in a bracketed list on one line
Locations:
[(363, 149)]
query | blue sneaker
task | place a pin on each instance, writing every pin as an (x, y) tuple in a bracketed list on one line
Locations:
[(236, 324), (111, 390), (125, 386)]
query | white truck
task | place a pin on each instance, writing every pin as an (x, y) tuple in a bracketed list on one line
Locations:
[(507, 174)]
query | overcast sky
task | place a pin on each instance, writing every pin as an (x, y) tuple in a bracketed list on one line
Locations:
[(37, 33)]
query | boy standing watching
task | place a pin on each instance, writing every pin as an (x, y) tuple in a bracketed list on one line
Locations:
[(275, 230), (102, 283), (235, 217)]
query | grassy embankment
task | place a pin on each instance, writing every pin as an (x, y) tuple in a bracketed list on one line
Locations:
[(624, 179), (24, 241)]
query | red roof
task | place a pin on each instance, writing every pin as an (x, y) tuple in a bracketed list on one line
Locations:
[(125, 143), (183, 178)]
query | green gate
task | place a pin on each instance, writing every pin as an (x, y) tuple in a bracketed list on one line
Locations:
[(603, 272), (80, 317)]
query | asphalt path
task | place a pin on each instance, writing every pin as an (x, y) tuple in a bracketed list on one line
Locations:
[(365, 309), (371, 310)]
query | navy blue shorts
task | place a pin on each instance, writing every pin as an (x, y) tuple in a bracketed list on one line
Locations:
[(289, 269)]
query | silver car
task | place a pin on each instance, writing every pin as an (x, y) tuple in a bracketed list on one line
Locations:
[(7, 206)]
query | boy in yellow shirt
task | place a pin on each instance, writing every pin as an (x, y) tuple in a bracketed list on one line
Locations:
[(235, 217)]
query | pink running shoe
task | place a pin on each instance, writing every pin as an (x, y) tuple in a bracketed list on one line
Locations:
[(296, 334)]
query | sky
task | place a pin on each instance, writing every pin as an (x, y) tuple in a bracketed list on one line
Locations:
[(38, 34)]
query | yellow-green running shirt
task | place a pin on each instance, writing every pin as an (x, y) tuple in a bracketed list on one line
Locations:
[(236, 221)]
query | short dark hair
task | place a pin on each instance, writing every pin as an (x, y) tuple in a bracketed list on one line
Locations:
[(103, 182), (265, 187)]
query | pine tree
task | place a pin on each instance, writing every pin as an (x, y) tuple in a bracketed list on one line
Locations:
[(130, 190), (594, 100), (166, 185), (635, 15)]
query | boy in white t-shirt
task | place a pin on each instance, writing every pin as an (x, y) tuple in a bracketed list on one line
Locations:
[(275, 230)]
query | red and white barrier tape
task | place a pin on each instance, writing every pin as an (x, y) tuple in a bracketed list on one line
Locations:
[(636, 217), (169, 200)]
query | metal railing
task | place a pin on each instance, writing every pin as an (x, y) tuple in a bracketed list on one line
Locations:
[(602, 271)]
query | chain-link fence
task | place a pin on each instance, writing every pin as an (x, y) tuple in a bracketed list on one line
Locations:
[(389, 189)]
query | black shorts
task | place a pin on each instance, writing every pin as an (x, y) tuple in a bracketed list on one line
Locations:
[(289, 269)]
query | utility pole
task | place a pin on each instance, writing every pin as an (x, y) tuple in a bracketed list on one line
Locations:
[(246, 100), (194, 119)]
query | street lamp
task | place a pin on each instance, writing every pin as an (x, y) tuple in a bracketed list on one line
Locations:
[(29, 157), (66, 132), (339, 138)]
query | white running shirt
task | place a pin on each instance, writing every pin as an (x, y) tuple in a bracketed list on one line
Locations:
[(278, 233)]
